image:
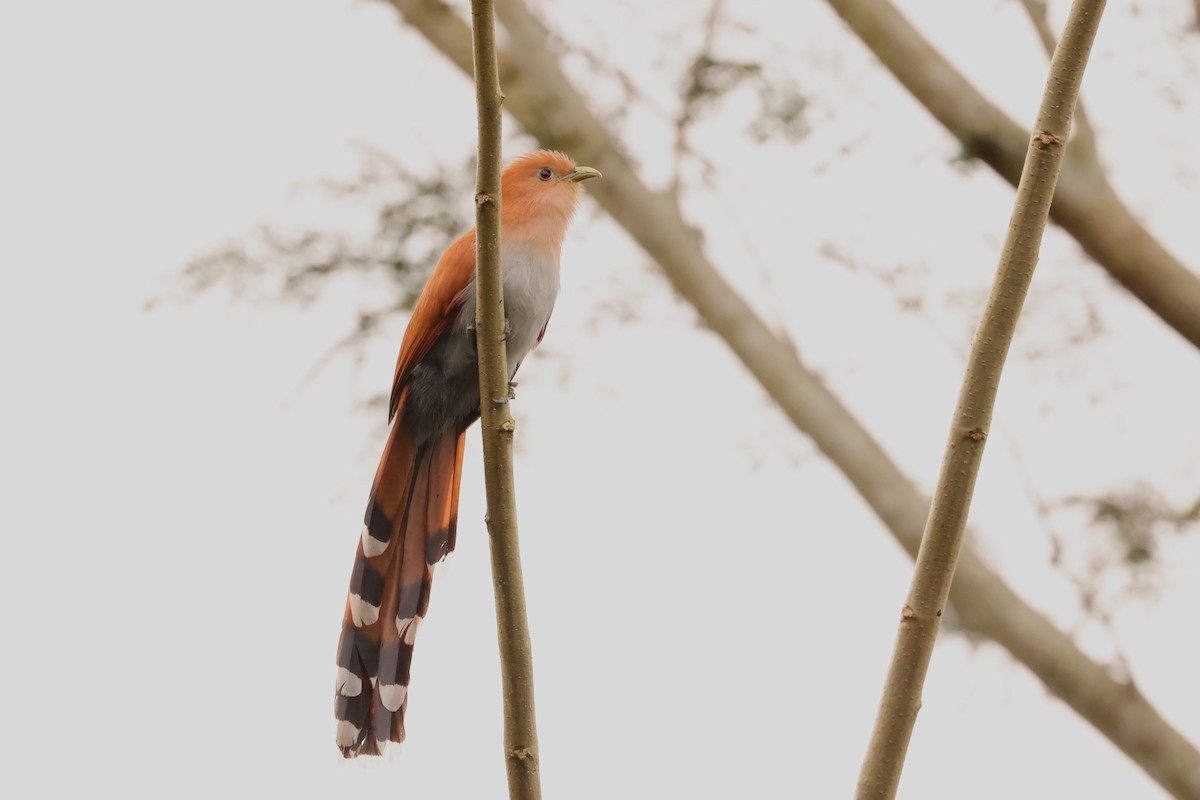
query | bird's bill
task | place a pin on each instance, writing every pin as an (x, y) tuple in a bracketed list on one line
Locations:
[(582, 174)]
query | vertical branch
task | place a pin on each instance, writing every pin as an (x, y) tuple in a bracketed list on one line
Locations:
[(938, 555), (512, 625)]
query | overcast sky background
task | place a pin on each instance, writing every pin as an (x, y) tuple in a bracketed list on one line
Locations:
[(712, 605)]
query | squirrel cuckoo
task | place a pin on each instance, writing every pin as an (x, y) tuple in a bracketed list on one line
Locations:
[(413, 507)]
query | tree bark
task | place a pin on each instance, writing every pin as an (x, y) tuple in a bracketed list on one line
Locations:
[(1083, 137), (540, 97), (497, 426), (936, 560)]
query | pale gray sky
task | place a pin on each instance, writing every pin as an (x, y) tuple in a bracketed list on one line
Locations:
[(712, 605)]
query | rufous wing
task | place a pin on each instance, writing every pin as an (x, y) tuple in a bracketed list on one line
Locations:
[(436, 309)]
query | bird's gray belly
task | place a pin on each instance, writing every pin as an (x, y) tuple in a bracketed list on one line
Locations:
[(443, 388)]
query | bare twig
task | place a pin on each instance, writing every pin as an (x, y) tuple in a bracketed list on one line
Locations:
[(1083, 138), (540, 97), (940, 545), (415, 220), (696, 89), (512, 624)]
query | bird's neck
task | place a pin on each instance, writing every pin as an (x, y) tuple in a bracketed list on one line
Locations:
[(540, 229)]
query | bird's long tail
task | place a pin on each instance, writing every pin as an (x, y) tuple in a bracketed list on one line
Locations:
[(409, 528)]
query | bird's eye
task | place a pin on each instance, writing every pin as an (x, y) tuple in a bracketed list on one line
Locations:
[(545, 174)]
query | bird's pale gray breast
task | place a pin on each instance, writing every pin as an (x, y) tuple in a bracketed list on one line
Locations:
[(443, 389)]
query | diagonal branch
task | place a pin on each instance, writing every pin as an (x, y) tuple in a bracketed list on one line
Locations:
[(496, 423), (1085, 205), (541, 98), (943, 538)]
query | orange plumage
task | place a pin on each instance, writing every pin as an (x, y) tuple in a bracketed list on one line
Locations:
[(412, 512)]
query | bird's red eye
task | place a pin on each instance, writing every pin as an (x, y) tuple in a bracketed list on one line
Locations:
[(545, 174)]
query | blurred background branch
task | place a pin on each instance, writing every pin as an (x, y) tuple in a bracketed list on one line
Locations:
[(1085, 205)]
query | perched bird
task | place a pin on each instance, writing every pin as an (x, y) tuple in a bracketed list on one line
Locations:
[(413, 507)]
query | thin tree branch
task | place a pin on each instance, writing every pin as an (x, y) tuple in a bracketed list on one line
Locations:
[(940, 545), (1085, 205), (1084, 137), (512, 623), (539, 96)]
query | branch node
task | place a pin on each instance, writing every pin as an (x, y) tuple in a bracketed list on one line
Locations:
[(1046, 140), (976, 435), (908, 612), (521, 753), (483, 198)]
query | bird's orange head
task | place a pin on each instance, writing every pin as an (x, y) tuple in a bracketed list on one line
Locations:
[(539, 192)]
